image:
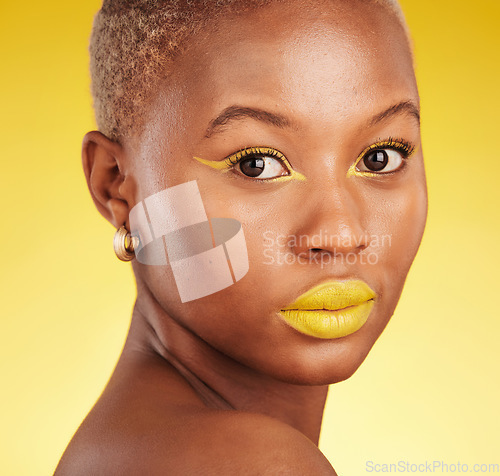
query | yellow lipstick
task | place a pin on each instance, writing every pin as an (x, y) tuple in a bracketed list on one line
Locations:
[(331, 310)]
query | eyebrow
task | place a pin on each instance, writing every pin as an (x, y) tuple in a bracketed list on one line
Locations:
[(403, 107), (239, 112)]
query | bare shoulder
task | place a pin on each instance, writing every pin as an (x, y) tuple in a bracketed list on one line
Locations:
[(207, 442), (150, 421), (246, 443)]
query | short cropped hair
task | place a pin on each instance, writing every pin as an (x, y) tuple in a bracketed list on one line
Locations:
[(134, 42)]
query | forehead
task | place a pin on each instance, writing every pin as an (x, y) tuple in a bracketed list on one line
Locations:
[(332, 60)]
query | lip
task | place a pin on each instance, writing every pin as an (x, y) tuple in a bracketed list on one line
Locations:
[(331, 310)]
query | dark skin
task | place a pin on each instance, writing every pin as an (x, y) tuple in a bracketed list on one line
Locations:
[(221, 384)]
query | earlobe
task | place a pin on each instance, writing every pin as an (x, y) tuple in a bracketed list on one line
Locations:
[(103, 166)]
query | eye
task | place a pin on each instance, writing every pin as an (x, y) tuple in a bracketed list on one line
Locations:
[(262, 167), (384, 157), (260, 163), (381, 161)]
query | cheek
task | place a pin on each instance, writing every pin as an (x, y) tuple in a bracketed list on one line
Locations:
[(262, 218), (230, 315), (398, 225), (242, 310)]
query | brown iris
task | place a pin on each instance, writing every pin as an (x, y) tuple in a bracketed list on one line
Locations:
[(252, 167), (376, 161)]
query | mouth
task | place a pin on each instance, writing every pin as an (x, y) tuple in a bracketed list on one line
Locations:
[(325, 309), (331, 310)]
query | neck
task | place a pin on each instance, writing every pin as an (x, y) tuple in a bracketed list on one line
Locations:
[(220, 381)]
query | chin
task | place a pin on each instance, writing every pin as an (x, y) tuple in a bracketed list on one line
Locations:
[(321, 376), (324, 363)]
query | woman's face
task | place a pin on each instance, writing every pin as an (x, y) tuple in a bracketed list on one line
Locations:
[(319, 85)]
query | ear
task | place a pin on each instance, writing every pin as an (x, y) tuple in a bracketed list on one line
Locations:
[(104, 166)]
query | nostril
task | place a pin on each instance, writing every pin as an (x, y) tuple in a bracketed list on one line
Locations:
[(316, 249)]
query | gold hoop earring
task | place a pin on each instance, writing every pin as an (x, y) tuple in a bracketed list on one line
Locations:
[(124, 244)]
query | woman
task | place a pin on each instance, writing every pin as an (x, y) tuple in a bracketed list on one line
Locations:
[(285, 134)]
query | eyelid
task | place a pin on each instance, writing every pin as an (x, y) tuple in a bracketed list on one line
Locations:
[(226, 164), (233, 159), (399, 145)]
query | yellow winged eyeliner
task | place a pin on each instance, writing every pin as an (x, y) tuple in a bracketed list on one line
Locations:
[(231, 161), (218, 165)]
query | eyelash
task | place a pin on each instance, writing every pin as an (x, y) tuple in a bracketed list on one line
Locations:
[(405, 148), (237, 157)]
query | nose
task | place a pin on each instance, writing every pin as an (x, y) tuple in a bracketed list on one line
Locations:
[(331, 222)]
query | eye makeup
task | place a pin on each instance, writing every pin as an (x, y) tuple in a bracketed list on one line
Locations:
[(261, 154), (392, 149), (404, 148)]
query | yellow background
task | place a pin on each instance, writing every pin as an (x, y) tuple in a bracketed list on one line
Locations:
[(430, 388)]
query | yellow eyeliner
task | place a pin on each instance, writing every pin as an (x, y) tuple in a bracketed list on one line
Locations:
[(228, 163), (395, 144), (218, 165)]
